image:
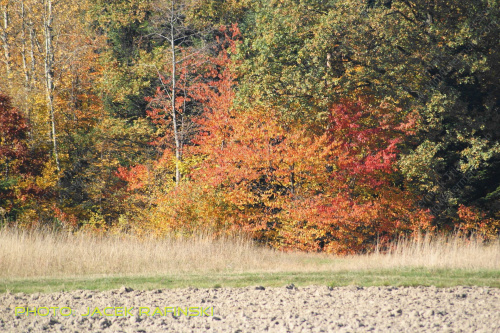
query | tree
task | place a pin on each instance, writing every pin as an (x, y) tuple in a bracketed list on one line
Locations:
[(49, 73), (215, 13), (13, 148), (330, 191), (5, 37), (18, 165), (187, 54), (440, 60), (129, 49), (201, 78), (282, 66), (435, 60)]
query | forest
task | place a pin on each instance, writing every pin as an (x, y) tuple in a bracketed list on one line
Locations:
[(314, 125)]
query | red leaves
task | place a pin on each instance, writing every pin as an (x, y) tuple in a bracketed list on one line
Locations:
[(326, 191), (18, 165), (368, 140), (316, 190), (13, 131)]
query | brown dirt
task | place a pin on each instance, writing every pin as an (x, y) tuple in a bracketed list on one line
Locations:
[(256, 309)]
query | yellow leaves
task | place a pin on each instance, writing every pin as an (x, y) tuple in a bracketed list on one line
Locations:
[(95, 224), (49, 177), (358, 68), (122, 13), (189, 163)]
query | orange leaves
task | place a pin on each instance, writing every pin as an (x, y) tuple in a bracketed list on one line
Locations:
[(324, 189), (135, 176), (311, 191), (474, 221), (297, 189)]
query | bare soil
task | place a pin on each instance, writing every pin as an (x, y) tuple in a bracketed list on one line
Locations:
[(258, 309)]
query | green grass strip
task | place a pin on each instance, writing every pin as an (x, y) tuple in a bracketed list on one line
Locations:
[(400, 277)]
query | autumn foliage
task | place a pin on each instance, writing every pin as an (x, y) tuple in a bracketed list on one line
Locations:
[(14, 132), (328, 191), (328, 188), (19, 165), (314, 127)]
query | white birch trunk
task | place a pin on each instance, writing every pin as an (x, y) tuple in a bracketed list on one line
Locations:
[(178, 155), (49, 76), (5, 43)]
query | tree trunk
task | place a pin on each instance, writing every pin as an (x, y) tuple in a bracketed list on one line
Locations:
[(27, 81), (32, 52), (178, 155), (5, 40), (27, 74), (49, 76)]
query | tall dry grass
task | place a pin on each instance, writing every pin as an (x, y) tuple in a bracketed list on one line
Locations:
[(437, 251), (25, 254)]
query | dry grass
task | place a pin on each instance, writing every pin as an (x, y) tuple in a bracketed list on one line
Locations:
[(435, 252), (44, 254), (444, 252)]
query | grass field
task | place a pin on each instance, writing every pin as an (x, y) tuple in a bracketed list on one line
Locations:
[(45, 262)]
